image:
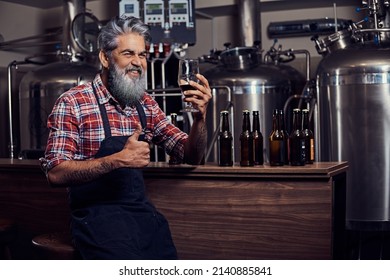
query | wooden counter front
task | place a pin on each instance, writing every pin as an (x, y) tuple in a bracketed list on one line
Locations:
[(214, 212)]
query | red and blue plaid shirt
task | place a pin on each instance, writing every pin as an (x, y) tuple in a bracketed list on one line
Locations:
[(76, 127)]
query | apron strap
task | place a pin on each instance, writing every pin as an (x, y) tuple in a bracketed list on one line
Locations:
[(106, 123), (103, 113), (141, 114)]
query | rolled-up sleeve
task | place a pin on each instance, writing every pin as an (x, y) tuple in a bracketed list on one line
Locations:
[(63, 137)]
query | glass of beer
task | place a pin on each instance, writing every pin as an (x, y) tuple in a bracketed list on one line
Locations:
[(188, 68)]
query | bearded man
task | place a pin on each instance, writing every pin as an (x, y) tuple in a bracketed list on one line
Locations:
[(99, 142)]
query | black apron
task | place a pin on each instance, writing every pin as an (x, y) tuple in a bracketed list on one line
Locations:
[(111, 217)]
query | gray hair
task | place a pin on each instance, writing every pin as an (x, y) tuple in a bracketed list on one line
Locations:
[(107, 39)]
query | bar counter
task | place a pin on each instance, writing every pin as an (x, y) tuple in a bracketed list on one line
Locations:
[(214, 212)]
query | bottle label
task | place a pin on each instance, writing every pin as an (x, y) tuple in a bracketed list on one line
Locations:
[(312, 149)]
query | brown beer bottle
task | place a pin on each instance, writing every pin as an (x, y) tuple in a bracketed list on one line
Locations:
[(276, 142), (309, 137), (246, 141), (258, 141), (297, 140), (285, 136), (172, 159), (225, 141)]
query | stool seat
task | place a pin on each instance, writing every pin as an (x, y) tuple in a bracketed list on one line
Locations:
[(55, 246), (7, 236)]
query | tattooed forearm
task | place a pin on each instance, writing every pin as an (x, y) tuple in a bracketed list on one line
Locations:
[(196, 145), (201, 142), (82, 174)]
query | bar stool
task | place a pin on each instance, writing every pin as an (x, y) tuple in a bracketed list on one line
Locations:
[(7, 236), (55, 246)]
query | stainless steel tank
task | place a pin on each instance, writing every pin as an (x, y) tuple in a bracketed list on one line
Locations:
[(40, 88), (38, 91), (353, 120), (244, 82)]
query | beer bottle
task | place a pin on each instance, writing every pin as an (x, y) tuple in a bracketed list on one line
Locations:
[(173, 159), (276, 142), (258, 157), (309, 137), (246, 141), (297, 140), (225, 140), (285, 137)]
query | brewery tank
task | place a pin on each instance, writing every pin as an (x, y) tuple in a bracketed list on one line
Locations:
[(38, 91), (40, 87), (353, 117), (241, 81)]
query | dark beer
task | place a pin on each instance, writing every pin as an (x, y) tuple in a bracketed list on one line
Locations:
[(246, 141), (285, 136), (186, 87), (276, 142), (297, 140), (258, 156), (225, 140)]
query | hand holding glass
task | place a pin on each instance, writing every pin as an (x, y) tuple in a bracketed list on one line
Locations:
[(188, 68)]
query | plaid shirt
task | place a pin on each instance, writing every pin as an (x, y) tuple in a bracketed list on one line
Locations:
[(76, 127)]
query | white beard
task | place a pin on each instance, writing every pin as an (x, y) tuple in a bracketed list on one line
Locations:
[(126, 90)]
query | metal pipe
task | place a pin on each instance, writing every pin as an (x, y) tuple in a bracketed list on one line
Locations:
[(11, 47), (17, 42), (10, 119), (307, 54), (250, 22), (335, 17)]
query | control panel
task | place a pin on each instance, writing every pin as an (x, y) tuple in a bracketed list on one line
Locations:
[(171, 21)]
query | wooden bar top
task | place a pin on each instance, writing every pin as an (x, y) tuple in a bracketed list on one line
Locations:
[(315, 170)]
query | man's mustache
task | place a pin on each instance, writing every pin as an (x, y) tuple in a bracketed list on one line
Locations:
[(134, 68)]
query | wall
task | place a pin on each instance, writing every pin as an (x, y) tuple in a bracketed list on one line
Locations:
[(18, 21)]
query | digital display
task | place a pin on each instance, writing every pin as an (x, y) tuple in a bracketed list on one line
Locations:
[(178, 8), (154, 9), (129, 8)]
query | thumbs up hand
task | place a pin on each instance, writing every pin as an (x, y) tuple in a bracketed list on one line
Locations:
[(135, 153)]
